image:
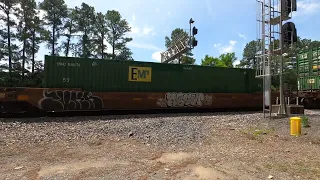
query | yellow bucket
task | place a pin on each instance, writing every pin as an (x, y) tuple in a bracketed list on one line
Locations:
[(295, 126)]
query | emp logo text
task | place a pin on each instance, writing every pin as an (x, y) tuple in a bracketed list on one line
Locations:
[(140, 74)]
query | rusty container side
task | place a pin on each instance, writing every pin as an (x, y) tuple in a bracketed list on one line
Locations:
[(78, 100)]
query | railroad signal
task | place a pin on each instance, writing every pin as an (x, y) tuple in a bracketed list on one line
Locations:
[(288, 6), (194, 42), (191, 21), (289, 33), (194, 31)]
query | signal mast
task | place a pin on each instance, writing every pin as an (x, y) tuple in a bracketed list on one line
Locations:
[(181, 45), (271, 14)]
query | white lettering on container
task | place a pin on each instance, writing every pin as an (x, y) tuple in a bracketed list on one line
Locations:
[(74, 64), (71, 64), (61, 64), (66, 80)]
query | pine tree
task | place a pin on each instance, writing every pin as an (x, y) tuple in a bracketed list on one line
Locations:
[(8, 7), (56, 12), (85, 21), (118, 27)]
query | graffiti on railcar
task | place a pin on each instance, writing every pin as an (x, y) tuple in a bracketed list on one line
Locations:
[(173, 99), (59, 100)]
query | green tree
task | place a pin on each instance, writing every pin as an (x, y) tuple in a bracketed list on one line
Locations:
[(100, 33), (2, 45), (8, 7), (85, 21), (125, 54), (26, 14), (117, 29), (188, 59), (228, 59), (224, 60), (177, 33), (70, 30), (211, 61), (249, 55), (56, 11), (304, 44), (38, 35)]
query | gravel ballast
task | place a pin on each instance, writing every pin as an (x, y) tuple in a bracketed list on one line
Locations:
[(222, 137), (157, 129)]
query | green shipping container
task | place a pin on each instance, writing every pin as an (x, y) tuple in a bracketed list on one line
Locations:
[(309, 69), (98, 75), (309, 83)]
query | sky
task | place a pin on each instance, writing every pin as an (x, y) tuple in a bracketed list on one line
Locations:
[(223, 25)]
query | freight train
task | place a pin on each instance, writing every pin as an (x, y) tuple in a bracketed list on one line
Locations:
[(80, 84), (308, 71)]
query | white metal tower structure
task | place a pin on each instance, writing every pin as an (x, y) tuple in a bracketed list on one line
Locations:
[(270, 15), (181, 44)]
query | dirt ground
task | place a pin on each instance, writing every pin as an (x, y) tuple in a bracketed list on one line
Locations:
[(263, 151)]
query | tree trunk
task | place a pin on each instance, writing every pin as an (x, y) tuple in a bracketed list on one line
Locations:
[(102, 46), (68, 44), (24, 49), (53, 38), (113, 49), (9, 45), (84, 45), (33, 49), (23, 57), (53, 35)]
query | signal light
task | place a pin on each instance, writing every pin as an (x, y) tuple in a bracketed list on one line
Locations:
[(194, 31), (289, 33), (288, 6), (194, 42)]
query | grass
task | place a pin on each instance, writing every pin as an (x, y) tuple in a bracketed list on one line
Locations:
[(297, 168), (256, 133)]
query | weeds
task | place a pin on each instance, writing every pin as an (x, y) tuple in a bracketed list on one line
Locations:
[(255, 134), (305, 121)]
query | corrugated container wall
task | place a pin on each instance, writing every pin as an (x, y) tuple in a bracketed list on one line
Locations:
[(132, 76), (309, 69)]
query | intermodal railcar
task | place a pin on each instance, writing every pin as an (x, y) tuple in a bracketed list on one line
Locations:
[(308, 63), (81, 84)]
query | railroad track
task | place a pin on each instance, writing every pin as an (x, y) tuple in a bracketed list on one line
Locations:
[(20, 116)]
